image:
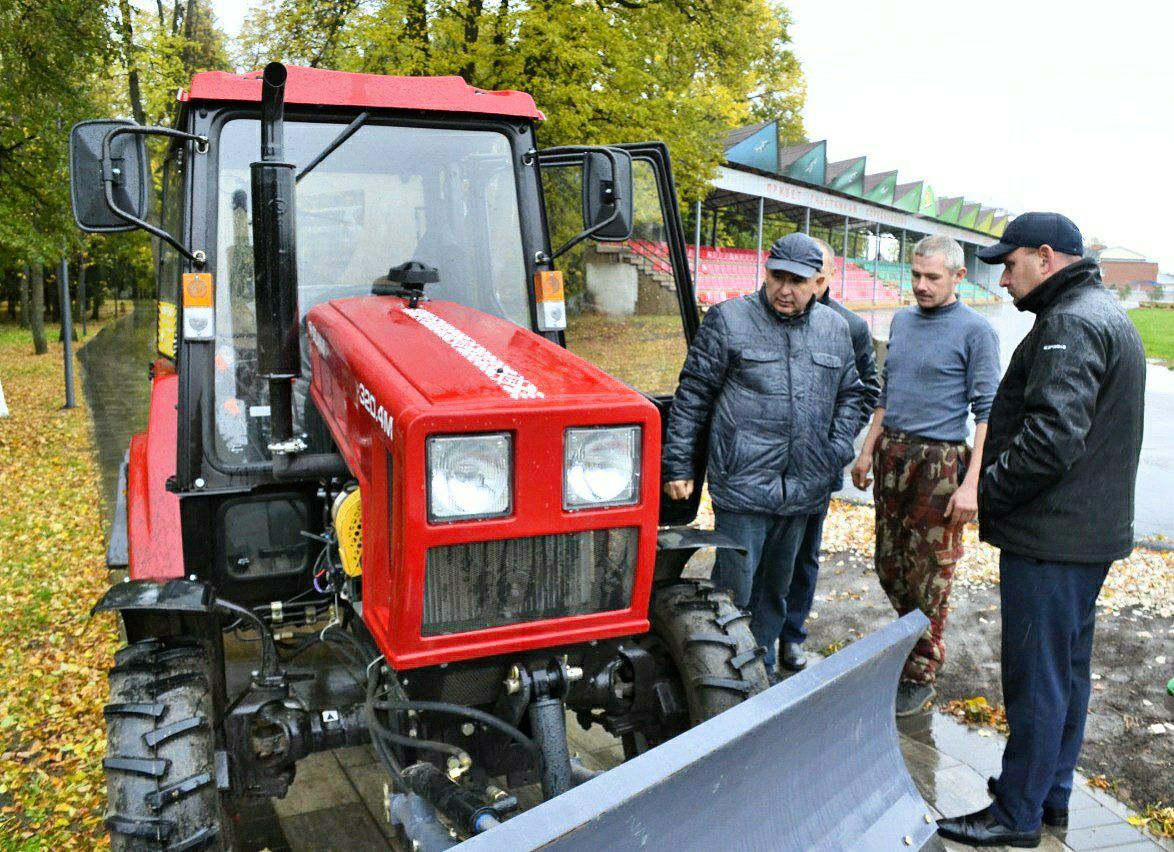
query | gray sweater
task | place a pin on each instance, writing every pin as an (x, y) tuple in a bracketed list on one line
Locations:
[(940, 362)]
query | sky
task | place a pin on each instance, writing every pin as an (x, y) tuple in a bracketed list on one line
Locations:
[(1023, 105), (1020, 105)]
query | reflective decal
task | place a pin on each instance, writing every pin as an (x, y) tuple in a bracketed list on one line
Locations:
[(515, 385), (378, 412), (165, 334)]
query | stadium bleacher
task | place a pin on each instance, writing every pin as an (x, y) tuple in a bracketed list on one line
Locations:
[(726, 273), (900, 275)]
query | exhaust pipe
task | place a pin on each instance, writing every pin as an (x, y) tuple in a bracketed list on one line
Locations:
[(275, 268)]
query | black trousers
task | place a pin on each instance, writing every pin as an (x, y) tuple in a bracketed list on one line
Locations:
[(1049, 612)]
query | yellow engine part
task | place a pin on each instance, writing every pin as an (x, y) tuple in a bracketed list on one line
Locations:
[(348, 527)]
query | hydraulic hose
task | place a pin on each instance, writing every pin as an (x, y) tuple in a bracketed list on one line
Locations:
[(468, 712)]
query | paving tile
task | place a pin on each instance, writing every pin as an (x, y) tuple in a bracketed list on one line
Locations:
[(1106, 800), (319, 783), (918, 746), (922, 761), (955, 791), (983, 753), (257, 827), (587, 739), (609, 758), (347, 827), (1080, 799), (1142, 846), (356, 755), (368, 780), (1103, 837), (1047, 843), (1089, 818), (592, 762)]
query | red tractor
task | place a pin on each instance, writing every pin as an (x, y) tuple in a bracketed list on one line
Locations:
[(366, 436), (387, 493)]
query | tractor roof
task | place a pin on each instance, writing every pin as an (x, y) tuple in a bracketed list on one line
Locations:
[(319, 87)]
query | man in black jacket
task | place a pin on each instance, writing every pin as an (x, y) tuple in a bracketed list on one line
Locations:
[(803, 580), (1056, 495), (775, 373)]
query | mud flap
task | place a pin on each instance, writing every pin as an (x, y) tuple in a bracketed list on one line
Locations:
[(812, 763)]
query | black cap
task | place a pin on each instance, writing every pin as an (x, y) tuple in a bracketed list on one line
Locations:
[(796, 253), (1032, 230)]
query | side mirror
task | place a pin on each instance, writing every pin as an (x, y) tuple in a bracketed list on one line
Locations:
[(129, 170), (607, 194)]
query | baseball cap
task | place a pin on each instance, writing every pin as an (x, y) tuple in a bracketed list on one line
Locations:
[(796, 253), (1032, 230)]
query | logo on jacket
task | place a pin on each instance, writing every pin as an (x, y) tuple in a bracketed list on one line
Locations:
[(1055, 346)]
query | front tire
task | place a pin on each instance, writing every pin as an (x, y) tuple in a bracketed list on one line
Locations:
[(161, 777), (704, 644)]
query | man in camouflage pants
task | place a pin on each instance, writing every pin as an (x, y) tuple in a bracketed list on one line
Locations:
[(916, 546), (943, 358)]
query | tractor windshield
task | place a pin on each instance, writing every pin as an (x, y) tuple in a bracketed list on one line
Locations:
[(389, 194)]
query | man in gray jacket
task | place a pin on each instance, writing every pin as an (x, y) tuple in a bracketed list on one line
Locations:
[(774, 374)]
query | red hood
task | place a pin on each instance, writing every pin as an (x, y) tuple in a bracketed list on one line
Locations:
[(452, 354)]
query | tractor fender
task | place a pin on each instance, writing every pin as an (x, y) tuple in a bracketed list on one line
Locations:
[(168, 596), (153, 608), (675, 546)]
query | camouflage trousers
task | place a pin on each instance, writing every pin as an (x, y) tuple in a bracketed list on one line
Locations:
[(916, 549)]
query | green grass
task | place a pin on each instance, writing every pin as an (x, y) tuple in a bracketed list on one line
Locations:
[(1156, 326)]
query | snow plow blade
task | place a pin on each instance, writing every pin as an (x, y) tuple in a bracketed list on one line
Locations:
[(812, 763)]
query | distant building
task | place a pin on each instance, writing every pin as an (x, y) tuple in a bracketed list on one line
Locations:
[(1122, 267)]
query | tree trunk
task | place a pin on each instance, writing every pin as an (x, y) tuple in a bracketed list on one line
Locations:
[(472, 33), (24, 298), (416, 27), (96, 299), (126, 30), (81, 292), (37, 309)]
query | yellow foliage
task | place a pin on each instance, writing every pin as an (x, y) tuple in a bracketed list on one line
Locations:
[(53, 658), (978, 711)]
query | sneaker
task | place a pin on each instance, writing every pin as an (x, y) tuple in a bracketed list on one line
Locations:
[(791, 656), (913, 697)]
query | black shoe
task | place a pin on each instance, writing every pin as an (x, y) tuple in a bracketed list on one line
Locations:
[(912, 697), (982, 829), (1055, 817), (792, 657)]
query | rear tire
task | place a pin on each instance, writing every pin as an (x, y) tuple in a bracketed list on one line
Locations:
[(699, 633), (161, 777)]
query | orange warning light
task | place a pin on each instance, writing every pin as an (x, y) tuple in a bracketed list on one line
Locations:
[(548, 286), (197, 289)]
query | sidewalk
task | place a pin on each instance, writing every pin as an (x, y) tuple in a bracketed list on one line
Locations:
[(337, 800)]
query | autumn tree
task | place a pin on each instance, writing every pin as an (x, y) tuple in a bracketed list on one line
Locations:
[(684, 71), (51, 55)]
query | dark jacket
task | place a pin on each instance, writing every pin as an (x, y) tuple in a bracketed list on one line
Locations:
[(865, 351), (784, 398), (1064, 433)]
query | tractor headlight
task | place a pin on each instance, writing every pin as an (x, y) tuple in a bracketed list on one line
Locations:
[(469, 477), (601, 467)]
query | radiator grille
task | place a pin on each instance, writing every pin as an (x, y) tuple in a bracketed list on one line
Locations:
[(491, 583)]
